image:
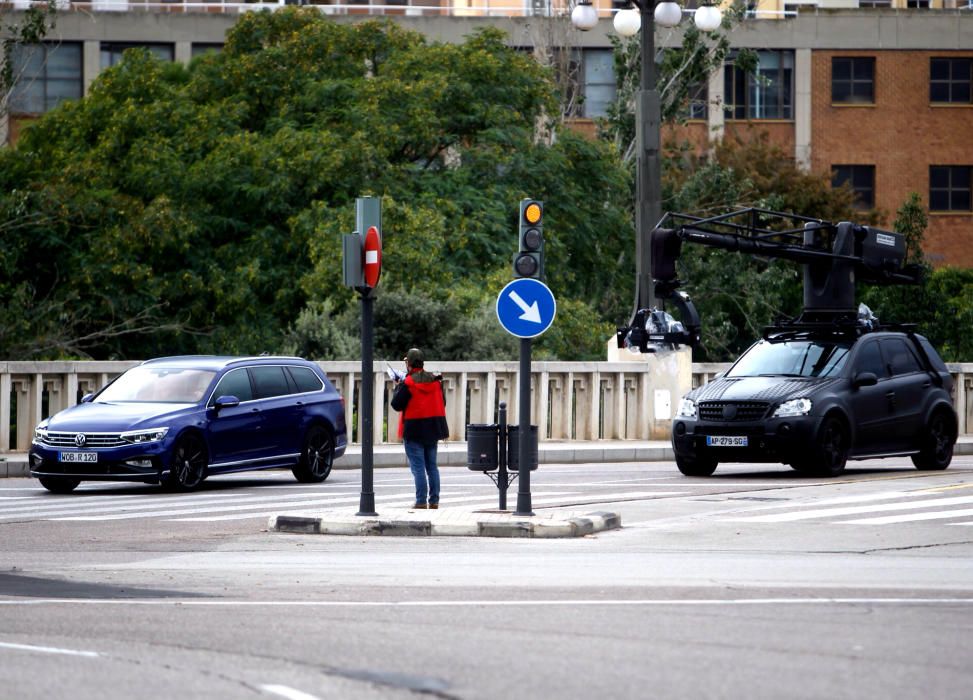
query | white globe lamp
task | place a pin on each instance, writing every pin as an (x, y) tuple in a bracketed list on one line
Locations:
[(708, 18), (627, 22), (668, 14), (584, 16)]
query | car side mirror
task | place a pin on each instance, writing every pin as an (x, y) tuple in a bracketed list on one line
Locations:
[(226, 402), (87, 398), (864, 379)]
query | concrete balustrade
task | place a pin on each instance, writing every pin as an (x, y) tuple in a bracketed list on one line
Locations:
[(622, 400)]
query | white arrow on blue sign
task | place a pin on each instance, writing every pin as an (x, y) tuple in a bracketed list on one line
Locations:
[(526, 308)]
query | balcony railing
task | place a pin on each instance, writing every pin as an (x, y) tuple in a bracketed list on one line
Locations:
[(571, 400)]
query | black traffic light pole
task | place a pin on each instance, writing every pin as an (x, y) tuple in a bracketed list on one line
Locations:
[(366, 505), (523, 447)]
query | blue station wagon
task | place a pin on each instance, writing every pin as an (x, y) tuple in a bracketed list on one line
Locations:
[(175, 420)]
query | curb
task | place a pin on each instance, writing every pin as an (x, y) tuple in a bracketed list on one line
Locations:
[(472, 525)]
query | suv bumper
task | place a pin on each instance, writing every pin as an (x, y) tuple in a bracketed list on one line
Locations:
[(770, 440)]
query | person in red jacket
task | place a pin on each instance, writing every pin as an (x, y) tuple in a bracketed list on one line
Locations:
[(422, 402)]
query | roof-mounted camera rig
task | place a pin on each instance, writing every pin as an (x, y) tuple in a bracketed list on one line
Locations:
[(835, 256)]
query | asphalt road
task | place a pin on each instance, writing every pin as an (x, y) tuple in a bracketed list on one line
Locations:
[(755, 583)]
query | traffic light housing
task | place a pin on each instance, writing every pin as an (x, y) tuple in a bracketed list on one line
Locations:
[(529, 260)]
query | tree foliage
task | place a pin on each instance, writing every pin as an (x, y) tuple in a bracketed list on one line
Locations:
[(200, 209)]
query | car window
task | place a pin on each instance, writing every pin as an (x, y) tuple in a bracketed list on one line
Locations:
[(234, 383), (934, 358), (269, 381), (152, 384), (870, 360), (305, 378), (795, 358), (899, 356)]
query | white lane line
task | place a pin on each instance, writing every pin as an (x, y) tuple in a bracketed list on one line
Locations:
[(290, 504), (910, 518), (287, 692), (379, 501), (491, 603), (155, 503), (48, 650), (850, 510)]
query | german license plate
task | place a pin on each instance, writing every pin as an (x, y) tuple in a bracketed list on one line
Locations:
[(75, 457), (726, 440)]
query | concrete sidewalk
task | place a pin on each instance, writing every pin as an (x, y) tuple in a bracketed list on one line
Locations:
[(447, 522)]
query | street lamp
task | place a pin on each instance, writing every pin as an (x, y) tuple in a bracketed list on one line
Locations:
[(648, 190)]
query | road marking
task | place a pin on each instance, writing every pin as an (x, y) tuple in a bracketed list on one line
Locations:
[(48, 650), (911, 517), (851, 510), (492, 603), (287, 692)]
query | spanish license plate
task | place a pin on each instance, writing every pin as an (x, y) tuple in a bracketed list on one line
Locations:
[(726, 440), (75, 457)]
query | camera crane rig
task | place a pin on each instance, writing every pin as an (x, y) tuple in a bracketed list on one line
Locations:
[(835, 256)]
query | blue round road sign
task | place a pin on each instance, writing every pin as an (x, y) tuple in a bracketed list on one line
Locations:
[(526, 308)]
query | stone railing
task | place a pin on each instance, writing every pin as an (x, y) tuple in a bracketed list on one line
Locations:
[(571, 400)]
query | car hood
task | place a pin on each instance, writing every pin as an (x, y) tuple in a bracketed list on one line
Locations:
[(115, 417), (770, 389)]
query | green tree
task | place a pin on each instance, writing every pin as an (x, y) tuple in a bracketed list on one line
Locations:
[(200, 208)]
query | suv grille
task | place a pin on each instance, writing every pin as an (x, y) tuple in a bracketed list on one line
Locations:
[(92, 440), (732, 410)]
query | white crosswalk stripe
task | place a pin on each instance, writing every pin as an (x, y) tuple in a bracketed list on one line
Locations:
[(838, 510)]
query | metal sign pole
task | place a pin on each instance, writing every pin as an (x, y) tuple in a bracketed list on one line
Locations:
[(366, 505), (523, 447)]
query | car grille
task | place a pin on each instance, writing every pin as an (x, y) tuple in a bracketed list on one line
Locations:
[(92, 440), (732, 410)]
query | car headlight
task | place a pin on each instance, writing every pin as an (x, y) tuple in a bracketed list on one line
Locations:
[(794, 407), (40, 434), (138, 437), (687, 409)]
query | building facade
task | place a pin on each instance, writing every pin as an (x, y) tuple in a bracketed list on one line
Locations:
[(878, 95)]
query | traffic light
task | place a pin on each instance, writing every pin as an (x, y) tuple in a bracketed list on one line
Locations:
[(529, 260)]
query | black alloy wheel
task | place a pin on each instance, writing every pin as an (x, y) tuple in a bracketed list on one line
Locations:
[(317, 456), (830, 453), (189, 463), (937, 443), (59, 484), (696, 466)]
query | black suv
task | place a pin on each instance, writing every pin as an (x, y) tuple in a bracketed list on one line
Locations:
[(815, 398)]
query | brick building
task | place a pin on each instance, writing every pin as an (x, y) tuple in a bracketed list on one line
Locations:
[(881, 97)]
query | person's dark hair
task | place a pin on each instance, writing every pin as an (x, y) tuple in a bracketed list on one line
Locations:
[(414, 358)]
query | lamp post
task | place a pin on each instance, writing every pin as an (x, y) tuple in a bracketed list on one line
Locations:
[(648, 189)]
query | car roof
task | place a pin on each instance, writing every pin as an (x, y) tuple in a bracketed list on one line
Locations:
[(218, 362)]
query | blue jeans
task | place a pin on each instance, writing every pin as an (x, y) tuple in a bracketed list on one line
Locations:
[(422, 462)]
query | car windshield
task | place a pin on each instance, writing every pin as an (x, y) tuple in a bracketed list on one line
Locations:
[(792, 358), (158, 384)]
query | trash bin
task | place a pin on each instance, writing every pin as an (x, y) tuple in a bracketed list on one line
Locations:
[(513, 448), (481, 447)]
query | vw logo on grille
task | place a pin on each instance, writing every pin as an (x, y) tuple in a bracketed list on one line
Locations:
[(80, 439), (729, 412)]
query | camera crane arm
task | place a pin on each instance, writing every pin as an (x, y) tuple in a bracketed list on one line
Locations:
[(834, 257)]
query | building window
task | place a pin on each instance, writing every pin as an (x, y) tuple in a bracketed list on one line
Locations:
[(949, 188), (874, 3), (45, 75), (200, 49), (769, 94), (918, 4), (949, 80), (853, 80), (697, 102), (599, 82), (861, 179), (111, 52)]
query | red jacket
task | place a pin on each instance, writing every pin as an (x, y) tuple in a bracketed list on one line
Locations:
[(422, 403)]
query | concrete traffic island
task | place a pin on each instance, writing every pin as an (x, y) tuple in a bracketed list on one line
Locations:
[(448, 522)]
